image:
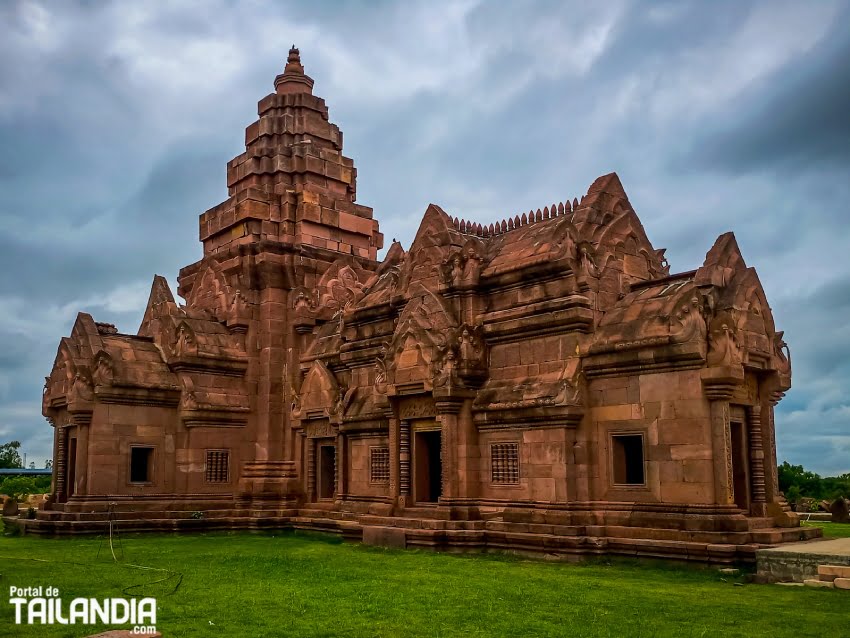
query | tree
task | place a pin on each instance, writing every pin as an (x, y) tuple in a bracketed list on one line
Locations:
[(9, 456), (18, 487), (797, 482)]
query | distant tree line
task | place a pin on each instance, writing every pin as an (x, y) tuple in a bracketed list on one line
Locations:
[(797, 483), (20, 487)]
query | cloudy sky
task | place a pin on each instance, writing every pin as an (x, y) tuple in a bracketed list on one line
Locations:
[(117, 119)]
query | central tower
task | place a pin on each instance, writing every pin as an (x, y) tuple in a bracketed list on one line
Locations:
[(284, 250)]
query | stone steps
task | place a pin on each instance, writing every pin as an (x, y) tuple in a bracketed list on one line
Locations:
[(831, 577), (167, 514), (440, 533), (759, 523), (777, 535)]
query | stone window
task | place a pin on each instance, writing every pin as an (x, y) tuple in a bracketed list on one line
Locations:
[(141, 464), (504, 463), (379, 465), (628, 459), (217, 467)]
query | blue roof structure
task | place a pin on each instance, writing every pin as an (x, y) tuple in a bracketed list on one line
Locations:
[(25, 471)]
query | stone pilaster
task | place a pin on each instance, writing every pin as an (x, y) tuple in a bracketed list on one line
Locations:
[(340, 486), (60, 463), (757, 482), (447, 412), (394, 444), (719, 386), (311, 469), (404, 463), (82, 422), (771, 468)]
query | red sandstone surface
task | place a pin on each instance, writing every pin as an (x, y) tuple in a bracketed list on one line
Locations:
[(541, 383)]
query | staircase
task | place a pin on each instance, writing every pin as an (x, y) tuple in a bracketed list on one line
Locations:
[(831, 577)]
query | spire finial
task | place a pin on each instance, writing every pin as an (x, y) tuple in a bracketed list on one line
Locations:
[(293, 79)]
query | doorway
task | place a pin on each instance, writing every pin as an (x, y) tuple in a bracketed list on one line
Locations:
[(428, 467), (327, 471), (740, 465)]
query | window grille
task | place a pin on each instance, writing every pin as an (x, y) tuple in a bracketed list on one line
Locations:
[(504, 463), (379, 465), (217, 467)]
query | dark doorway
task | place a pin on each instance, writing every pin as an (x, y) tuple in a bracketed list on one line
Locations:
[(428, 467), (141, 464), (327, 470), (740, 465), (71, 474), (628, 459)]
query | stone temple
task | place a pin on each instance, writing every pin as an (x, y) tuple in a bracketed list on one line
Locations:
[(543, 383)]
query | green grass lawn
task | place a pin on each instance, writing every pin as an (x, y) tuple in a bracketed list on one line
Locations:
[(303, 585), (830, 530)]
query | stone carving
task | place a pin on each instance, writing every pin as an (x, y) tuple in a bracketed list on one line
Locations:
[(724, 348), (690, 320), (380, 384), (319, 430), (342, 289), (783, 353), (185, 342), (212, 293), (81, 388), (104, 369), (587, 259), (463, 267), (417, 407), (444, 370), (239, 314)]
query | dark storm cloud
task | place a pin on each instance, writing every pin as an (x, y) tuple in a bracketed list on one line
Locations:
[(797, 117), (117, 119)]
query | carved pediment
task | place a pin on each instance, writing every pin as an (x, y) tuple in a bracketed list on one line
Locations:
[(212, 292), (420, 339), (320, 395)]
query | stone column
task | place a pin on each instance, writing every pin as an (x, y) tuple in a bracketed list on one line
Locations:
[(82, 465), (721, 445), (341, 467), (60, 463), (395, 452), (771, 469), (311, 469), (404, 463), (447, 415), (719, 386), (756, 461)]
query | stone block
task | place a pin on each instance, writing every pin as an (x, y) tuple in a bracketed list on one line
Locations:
[(842, 583), (830, 572), (814, 582)]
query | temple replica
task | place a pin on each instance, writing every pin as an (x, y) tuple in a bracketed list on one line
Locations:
[(540, 384)]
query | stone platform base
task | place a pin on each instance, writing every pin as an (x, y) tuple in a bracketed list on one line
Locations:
[(797, 562), (710, 539)]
